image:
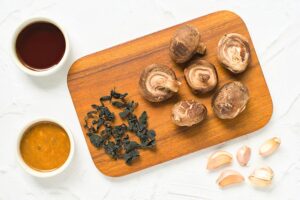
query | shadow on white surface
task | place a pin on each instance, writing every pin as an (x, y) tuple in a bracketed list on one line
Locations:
[(55, 79)]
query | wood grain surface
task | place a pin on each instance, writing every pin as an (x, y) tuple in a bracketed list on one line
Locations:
[(95, 75)]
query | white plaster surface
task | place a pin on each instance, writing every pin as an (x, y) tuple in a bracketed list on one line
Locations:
[(95, 25)]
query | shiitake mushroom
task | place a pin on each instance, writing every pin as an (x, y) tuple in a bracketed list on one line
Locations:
[(158, 83), (201, 76), (188, 113), (185, 43), (234, 52), (230, 100)]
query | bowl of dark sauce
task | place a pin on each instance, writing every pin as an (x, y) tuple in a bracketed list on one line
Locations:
[(40, 46)]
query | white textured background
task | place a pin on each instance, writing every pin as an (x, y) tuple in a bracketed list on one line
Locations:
[(95, 25)]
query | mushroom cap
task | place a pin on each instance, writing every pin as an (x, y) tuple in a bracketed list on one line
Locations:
[(158, 83), (234, 52), (184, 43), (230, 100), (188, 113), (201, 76)]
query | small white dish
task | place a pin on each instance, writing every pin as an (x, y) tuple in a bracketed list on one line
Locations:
[(45, 72), (46, 174)]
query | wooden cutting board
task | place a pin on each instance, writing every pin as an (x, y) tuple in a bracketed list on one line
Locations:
[(95, 75)]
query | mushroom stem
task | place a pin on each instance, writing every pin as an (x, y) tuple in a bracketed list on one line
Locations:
[(172, 85), (201, 49), (204, 77)]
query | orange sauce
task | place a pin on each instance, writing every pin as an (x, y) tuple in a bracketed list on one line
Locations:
[(45, 146)]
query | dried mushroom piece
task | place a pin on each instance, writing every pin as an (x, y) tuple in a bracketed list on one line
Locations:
[(234, 52), (201, 76), (158, 83), (185, 43), (230, 100), (188, 113)]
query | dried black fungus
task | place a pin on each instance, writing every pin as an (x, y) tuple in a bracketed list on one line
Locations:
[(91, 113), (117, 95), (100, 123), (105, 98), (130, 156), (112, 149), (96, 107), (118, 104), (114, 138), (96, 140), (130, 146), (124, 113)]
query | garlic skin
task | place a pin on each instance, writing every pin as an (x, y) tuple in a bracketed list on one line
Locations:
[(269, 146), (229, 177), (219, 159), (243, 155), (261, 177)]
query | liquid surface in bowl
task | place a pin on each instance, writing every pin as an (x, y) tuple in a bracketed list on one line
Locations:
[(40, 45), (45, 146)]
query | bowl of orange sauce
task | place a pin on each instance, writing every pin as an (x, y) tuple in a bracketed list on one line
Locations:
[(45, 147)]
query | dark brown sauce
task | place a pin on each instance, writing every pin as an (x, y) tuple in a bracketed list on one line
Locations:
[(40, 45)]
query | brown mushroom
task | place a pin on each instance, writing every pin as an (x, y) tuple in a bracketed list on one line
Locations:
[(230, 100), (188, 113), (185, 43), (234, 52), (201, 76), (158, 83)]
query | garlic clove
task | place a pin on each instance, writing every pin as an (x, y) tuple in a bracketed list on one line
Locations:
[(229, 177), (269, 146), (243, 155), (261, 177), (219, 159)]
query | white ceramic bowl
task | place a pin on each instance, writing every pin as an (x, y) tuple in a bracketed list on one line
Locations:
[(25, 69), (48, 173)]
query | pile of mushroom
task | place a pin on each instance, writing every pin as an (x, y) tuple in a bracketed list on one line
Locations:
[(234, 52), (201, 76), (185, 43), (159, 83)]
